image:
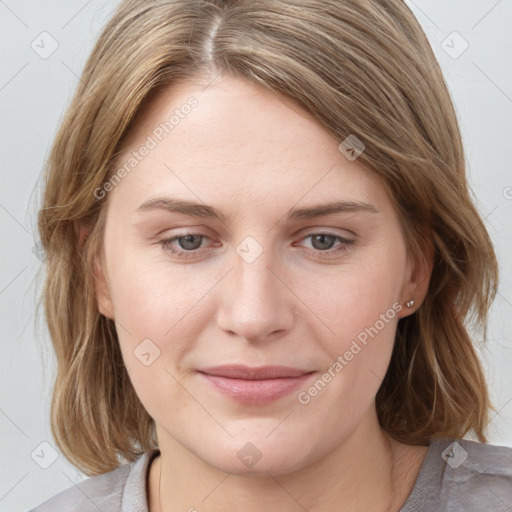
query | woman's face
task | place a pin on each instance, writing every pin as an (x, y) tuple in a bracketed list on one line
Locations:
[(261, 276)]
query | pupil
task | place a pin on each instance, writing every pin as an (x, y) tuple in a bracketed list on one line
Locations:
[(322, 239), (187, 242)]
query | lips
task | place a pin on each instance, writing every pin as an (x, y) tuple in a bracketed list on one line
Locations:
[(254, 386), (251, 373)]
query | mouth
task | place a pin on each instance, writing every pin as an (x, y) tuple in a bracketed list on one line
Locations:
[(255, 386)]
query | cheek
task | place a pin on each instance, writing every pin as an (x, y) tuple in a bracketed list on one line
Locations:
[(158, 318), (359, 311), (153, 296), (159, 309), (350, 298)]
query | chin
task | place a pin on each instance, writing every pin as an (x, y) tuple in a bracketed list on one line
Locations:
[(257, 458)]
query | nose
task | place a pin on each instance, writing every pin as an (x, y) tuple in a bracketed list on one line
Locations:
[(256, 303)]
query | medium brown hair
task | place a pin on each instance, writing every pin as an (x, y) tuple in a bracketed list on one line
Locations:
[(360, 67)]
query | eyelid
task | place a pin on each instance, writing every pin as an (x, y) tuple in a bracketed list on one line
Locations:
[(344, 243), (174, 238), (327, 231), (309, 232), (166, 243)]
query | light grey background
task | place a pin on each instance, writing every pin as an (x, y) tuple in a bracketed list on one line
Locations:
[(35, 89)]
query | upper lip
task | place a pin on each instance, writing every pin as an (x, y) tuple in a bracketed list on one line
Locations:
[(254, 373)]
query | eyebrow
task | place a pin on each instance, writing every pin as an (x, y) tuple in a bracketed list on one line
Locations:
[(202, 210)]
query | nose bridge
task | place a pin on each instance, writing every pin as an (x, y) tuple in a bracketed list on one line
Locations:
[(255, 303)]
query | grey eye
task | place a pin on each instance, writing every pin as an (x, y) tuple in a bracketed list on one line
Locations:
[(322, 242), (190, 242)]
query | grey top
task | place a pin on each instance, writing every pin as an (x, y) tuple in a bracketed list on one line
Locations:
[(456, 475)]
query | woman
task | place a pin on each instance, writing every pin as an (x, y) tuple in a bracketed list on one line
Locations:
[(262, 262)]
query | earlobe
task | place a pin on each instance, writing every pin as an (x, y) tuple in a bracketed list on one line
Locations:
[(416, 289), (101, 288), (103, 298)]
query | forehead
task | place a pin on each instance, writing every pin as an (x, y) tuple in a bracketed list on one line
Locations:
[(227, 109), (234, 138)]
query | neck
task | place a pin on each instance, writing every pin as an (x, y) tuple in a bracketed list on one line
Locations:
[(369, 471)]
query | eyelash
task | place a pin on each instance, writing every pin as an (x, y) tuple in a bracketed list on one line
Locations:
[(345, 243)]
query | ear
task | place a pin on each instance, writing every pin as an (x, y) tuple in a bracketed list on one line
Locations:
[(101, 287), (418, 278), (103, 297)]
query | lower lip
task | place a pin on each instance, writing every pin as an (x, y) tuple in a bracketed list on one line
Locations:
[(256, 392)]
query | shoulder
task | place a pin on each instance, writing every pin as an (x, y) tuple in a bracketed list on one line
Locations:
[(459, 474), (108, 492), (480, 475), (487, 458)]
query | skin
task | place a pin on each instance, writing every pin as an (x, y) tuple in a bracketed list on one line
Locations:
[(254, 155)]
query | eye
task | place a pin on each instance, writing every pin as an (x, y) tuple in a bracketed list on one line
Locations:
[(188, 244), (324, 242), (181, 245)]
